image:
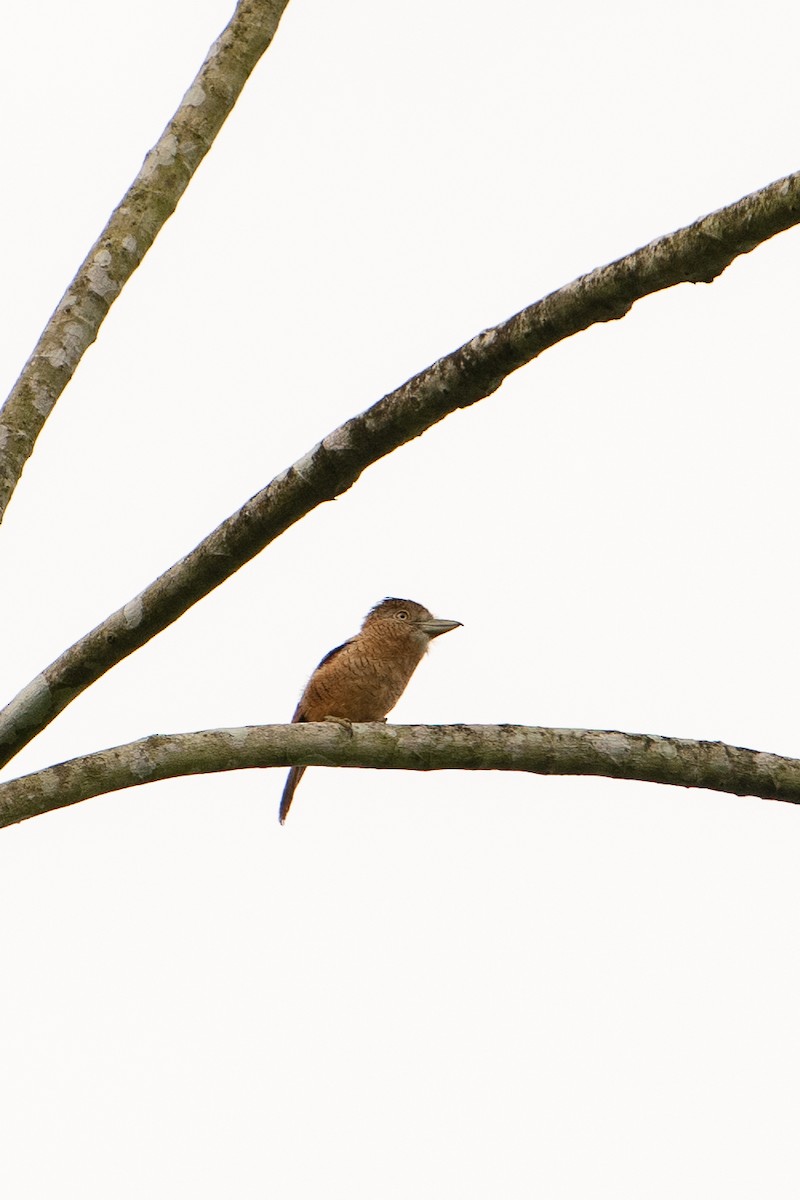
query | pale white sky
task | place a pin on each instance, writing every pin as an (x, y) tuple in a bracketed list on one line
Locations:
[(448, 985)]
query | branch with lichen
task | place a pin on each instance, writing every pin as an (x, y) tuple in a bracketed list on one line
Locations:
[(131, 230), (679, 762), (699, 252)]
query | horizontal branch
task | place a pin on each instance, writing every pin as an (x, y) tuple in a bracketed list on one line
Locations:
[(470, 373), (131, 230), (676, 761)]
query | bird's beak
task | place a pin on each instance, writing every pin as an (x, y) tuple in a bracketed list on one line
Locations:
[(434, 627)]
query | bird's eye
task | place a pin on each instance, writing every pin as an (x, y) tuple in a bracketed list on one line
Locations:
[(402, 615)]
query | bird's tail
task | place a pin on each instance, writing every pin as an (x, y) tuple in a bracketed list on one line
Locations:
[(295, 775)]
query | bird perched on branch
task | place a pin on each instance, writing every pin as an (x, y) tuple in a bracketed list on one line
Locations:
[(363, 679)]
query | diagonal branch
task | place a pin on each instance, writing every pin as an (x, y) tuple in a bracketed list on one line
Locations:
[(676, 761), (699, 252), (131, 230)]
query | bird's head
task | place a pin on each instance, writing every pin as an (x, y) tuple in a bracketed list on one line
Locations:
[(406, 618)]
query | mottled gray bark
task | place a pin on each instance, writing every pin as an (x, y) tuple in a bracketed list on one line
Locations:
[(132, 228), (677, 761), (699, 252)]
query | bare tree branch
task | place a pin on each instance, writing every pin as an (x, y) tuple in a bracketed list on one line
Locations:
[(676, 761), (699, 252), (132, 228)]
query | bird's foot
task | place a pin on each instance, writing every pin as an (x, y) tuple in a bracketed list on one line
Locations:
[(343, 722)]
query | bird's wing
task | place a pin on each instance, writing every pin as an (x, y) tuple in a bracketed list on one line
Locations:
[(299, 714), (332, 653)]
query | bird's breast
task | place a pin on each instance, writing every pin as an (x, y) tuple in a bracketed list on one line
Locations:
[(361, 683)]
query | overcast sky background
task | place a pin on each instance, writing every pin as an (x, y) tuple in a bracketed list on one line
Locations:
[(443, 985)]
